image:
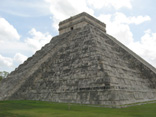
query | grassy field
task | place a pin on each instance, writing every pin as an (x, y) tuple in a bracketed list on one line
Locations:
[(48, 109)]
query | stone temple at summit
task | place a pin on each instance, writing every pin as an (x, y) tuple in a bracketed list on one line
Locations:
[(85, 65)]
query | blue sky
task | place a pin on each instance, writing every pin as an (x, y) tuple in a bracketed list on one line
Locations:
[(27, 25)]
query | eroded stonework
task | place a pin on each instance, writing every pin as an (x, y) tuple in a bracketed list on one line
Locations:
[(80, 21), (84, 65)]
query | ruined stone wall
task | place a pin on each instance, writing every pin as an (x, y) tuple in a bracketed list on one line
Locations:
[(130, 79), (71, 26), (69, 75), (17, 78), (88, 67), (80, 21)]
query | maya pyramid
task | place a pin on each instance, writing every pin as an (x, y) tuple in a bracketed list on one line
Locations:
[(83, 64)]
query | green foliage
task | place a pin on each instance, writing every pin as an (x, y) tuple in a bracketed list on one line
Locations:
[(49, 109), (3, 74), (1, 78)]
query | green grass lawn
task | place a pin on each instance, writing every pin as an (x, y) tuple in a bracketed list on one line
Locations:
[(49, 109)]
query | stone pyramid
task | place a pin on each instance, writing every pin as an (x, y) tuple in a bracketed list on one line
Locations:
[(83, 64)]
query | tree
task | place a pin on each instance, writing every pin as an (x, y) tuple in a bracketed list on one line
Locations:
[(3, 74)]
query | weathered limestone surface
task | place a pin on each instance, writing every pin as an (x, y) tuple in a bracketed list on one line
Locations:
[(80, 21), (84, 65)]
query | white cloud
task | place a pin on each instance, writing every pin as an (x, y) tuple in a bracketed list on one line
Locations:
[(9, 48), (62, 9), (117, 4), (146, 47), (14, 48), (24, 8), (138, 19), (7, 31), (19, 58), (117, 25), (116, 28), (9, 63), (37, 39), (30, 45), (5, 62), (10, 41), (122, 18)]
